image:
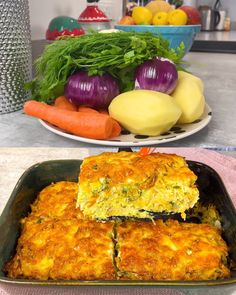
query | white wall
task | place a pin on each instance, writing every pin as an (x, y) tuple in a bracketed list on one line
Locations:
[(42, 11)]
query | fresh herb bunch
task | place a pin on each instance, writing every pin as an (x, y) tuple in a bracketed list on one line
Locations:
[(118, 54)]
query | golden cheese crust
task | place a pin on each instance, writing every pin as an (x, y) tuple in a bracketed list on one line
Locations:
[(170, 251), (57, 200), (128, 184), (68, 249), (58, 242)]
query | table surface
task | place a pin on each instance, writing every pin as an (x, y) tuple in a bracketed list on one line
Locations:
[(218, 74)]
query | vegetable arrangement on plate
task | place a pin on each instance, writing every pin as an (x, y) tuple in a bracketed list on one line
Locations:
[(94, 85)]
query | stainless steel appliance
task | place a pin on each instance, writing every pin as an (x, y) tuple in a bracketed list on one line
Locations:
[(210, 18), (222, 13)]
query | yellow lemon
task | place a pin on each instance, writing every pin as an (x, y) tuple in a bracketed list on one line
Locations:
[(177, 17), (160, 18), (142, 16)]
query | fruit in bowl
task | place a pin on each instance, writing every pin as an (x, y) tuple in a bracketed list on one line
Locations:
[(161, 13), (158, 6), (126, 20), (160, 19), (177, 17), (194, 16), (178, 26), (142, 16)]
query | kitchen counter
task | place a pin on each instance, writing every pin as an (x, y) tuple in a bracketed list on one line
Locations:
[(217, 36), (216, 41), (218, 74)]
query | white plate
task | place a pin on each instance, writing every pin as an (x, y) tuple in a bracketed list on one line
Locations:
[(177, 132)]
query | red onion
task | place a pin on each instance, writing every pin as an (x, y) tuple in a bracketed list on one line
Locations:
[(158, 74), (94, 91)]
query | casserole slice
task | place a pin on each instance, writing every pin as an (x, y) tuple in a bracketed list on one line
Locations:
[(170, 251), (57, 200), (63, 249), (131, 185)]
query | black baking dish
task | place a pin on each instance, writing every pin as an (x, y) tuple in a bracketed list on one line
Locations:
[(212, 191)]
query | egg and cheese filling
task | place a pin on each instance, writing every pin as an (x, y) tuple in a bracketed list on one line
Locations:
[(64, 249), (128, 184), (58, 200), (170, 251), (58, 243)]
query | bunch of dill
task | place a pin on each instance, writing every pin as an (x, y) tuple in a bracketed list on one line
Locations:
[(118, 54)]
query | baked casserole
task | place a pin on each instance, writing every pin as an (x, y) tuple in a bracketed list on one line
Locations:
[(57, 200), (131, 185), (69, 249), (58, 242), (170, 251)]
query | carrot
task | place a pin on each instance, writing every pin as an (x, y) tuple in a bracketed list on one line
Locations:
[(63, 103), (86, 109), (96, 126), (146, 151), (103, 112), (116, 130)]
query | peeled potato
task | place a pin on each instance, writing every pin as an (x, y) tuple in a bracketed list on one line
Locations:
[(145, 112), (190, 99), (183, 75)]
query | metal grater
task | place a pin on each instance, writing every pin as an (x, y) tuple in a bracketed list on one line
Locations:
[(15, 54)]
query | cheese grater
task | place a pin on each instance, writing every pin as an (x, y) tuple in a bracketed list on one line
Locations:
[(15, 54)]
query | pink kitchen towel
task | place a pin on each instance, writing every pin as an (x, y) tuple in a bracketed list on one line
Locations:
[(20, 290), (225, 166)]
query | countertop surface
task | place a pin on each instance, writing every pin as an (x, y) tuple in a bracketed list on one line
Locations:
[(217, 36), (216, 70), (216, 41)]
